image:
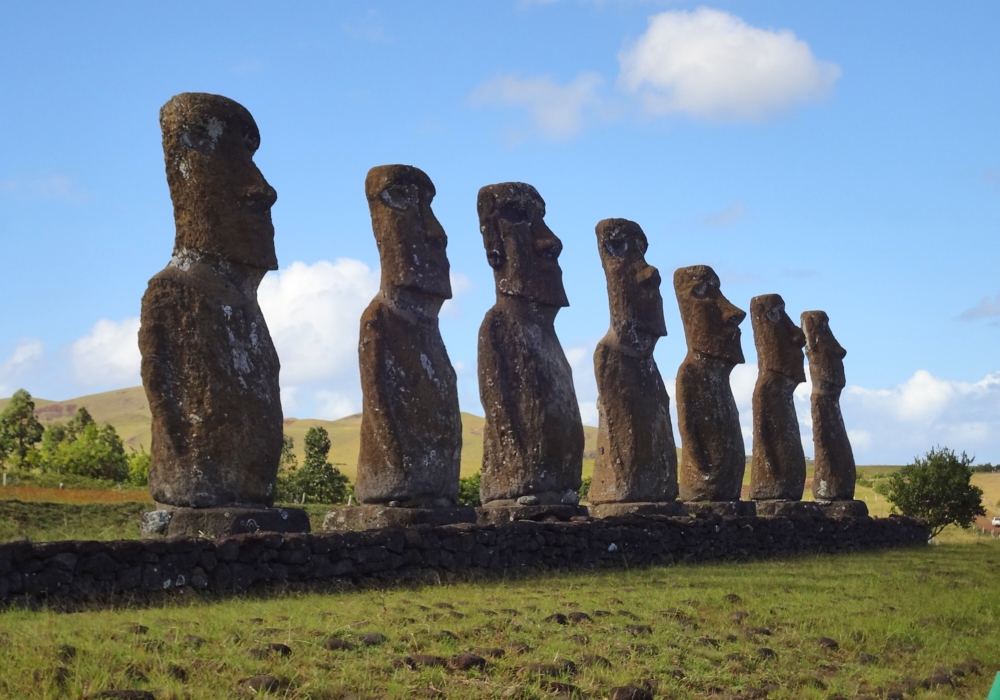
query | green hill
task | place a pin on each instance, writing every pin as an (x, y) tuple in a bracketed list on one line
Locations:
[(128, 411)]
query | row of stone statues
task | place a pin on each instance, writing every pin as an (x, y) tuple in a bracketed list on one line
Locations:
[(211, 371)]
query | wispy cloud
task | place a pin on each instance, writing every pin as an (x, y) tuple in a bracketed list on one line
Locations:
[(986, 308), (801, 274), (54, 186), (730, 216), (736, 277), (460, 286), (249, 66), (992, 176), (369, 27), (108, 355)]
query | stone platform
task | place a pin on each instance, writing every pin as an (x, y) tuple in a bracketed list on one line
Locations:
[(622, 510), (745, 509), (498, 515), (843, 509), (222, 522), (787, 509), (368, 517)]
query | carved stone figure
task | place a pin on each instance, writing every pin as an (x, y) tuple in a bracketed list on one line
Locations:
[(208, 364), (713, 459), (411, 428), (635, 468), (835, 472), (533, 437)]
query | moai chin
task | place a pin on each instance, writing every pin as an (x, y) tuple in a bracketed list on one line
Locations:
[(533, 438), (411, 427), (835, 471), (635, 468), (209, 367), (778, 465), (713, 459)]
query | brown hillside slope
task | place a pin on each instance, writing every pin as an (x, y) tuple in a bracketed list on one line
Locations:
[(128, 411)]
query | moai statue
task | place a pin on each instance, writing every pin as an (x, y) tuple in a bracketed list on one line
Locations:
[(411, 428), (713, 459), (778, 465), (835, 473), (208, 364), (635, 468), (533, 438)]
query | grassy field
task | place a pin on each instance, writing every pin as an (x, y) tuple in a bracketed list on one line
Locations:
[(891, 621)]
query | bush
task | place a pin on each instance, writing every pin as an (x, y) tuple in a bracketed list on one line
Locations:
[(84, 448), (317, 479), (936, 488), (138, 468), (468, 490), (584, 489)]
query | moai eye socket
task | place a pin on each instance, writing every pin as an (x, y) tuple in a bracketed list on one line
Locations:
[(396, 197), (616, 247), (775, 312), (700, 289)]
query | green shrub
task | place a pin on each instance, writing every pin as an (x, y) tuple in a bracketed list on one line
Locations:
[(468, 490)]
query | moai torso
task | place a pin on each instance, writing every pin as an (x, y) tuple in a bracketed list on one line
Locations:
[(713, 459), (835, 472), (411, 427), (636, 459), (209, 367), (778, 465), (533, 437)]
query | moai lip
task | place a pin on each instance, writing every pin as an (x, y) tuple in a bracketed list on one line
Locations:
[(778, 465), (411, 428), (713, 459), (209, 367), (533, 437), (636, 460)]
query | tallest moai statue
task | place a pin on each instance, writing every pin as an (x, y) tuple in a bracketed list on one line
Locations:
[(209, 367)]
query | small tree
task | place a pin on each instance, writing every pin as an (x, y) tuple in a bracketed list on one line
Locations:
[(468, 490), (85, 448), (138, 467), (288, 458), (317, 478), (20, 429), (937, 488)]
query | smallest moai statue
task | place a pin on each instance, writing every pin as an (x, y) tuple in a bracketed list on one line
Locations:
[(834, 478), (778, 464), (635, 468)]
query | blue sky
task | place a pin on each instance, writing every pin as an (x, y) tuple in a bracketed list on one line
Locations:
[(844, 155)]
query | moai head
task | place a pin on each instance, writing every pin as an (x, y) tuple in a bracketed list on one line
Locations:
[(711, 322), (779, 341), (633, 284), (411, 243), (826, 357), (222, 203), (521, 249)]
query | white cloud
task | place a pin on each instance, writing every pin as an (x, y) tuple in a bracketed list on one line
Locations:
[(54, 186), (986, 308), (558, 111), (460, 285), (369, 28), (108, 355), (733, 214), (709, 64), (26, 356), (330, 405)]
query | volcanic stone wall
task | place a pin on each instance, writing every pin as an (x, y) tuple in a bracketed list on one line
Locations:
[(77, 571)]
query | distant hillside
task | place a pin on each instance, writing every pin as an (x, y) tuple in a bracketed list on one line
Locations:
[(128, 411)]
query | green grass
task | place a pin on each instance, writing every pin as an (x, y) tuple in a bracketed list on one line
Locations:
[(913, 610)]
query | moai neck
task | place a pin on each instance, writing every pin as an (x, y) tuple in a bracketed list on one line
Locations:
[(416, 307), (245, 278), (527, 310)]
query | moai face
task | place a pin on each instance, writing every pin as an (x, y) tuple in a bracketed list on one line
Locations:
[(826, 357), (411, 243), (779, 341), (222, 203), (633, 284), (711, 322), (521, 249)]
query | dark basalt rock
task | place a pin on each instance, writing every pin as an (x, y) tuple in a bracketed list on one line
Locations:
[(778, 465), (533, 437), (209, 367), (411, 428), (636, 460), (713, 458), (835, 469)]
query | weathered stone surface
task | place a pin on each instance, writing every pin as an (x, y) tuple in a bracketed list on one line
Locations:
[(713, 459), (636, 458), (722, 508), (533, 437), (369, 517), (494, 514), (221, 522), (623, 510), (843, 509), (778, 465), (835, 469), (153, 523), (411, 428), (787, 509), (208, 364)]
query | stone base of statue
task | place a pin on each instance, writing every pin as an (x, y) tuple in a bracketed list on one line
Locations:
[(174, 521), (368, 517), (743, 509), (786, 509), (500, 512), (843, 509), (624, 510)]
